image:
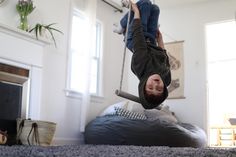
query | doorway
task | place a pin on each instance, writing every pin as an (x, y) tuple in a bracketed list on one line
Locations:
[(221, 76)]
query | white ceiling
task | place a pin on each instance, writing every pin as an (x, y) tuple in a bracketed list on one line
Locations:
[(172, 3)]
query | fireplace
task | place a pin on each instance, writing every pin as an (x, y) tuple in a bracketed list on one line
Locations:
[(21, 69), (13, 91)]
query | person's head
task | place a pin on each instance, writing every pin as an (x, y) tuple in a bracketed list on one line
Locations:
[(154, 86), (152, 91)]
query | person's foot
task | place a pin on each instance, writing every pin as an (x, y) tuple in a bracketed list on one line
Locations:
[(118, 29), (125, 3)]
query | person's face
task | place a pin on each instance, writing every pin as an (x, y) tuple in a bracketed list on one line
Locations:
[(154, 85)]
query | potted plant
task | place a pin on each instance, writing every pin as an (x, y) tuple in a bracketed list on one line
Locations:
[(40, 29), (24, 8)]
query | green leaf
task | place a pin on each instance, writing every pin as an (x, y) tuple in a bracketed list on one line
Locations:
[(39, 28), (51, 24), (50, 31), (56, 30)]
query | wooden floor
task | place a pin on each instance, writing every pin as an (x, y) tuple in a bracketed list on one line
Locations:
[(225, 136)]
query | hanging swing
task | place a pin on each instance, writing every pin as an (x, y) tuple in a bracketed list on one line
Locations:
[(120, 92)]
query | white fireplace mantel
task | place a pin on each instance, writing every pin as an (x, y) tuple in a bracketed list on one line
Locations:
[(22, 49), (17, 45), (23, 35)]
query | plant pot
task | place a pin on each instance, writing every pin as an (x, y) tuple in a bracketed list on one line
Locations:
[(24, 23)]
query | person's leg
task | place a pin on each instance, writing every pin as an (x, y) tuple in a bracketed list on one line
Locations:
[(152, 26), (149, 15), (145, 8), (121, 27), (145, 12), (123, 23), (124, 20)]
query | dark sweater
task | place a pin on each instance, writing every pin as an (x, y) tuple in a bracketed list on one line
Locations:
[(147, 60)]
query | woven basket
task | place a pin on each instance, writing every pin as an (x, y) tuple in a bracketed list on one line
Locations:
[(35, 132)]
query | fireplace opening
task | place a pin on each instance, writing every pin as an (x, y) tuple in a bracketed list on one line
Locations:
[(14, 85), (13, 89), (11, 101)]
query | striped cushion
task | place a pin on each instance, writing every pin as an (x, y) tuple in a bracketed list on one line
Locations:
[(128, 114)]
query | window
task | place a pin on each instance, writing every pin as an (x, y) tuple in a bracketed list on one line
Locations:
[(78, 51)]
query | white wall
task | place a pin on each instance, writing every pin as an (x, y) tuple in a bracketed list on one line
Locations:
[(182, 23), (188, 23), (55, 105), (59, 108)]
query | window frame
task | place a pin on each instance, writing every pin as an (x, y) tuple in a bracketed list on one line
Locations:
[(98, 96)]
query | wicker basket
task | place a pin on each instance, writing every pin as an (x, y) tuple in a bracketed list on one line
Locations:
[(35, 132)]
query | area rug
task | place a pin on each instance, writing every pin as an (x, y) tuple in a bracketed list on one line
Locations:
[(112, 151)]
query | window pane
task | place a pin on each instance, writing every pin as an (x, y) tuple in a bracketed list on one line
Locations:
[(221, 42), (78, 53), (94, 74), (79, 26), (221, 90), (76, 79), (93, 42)]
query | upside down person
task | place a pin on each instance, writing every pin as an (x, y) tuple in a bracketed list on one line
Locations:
[(150, 63)]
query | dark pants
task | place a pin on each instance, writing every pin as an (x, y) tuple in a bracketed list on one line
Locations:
[(149, 14)]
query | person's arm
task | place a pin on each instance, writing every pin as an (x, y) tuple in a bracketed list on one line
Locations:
[(135, 10), (139, 43), (160, 43), (140, 57), (160, 40)]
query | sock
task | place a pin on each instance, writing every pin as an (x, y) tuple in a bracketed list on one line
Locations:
[(118, 29), (125, 3)]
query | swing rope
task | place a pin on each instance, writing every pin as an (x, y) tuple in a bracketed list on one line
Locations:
[(120, 92), (124, 53)]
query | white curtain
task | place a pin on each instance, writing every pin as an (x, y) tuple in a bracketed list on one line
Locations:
[(89, 8)]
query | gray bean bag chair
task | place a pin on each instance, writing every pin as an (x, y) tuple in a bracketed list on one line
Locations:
[(117, 130)]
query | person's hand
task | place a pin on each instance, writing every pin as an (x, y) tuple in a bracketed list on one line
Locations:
[(134, 6), (160, 39), (159, 35), (135, 9)]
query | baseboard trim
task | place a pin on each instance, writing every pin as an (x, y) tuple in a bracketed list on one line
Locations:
[(66, 141)]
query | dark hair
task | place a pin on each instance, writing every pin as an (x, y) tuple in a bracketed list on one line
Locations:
[(155, 99), (150, 101)]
